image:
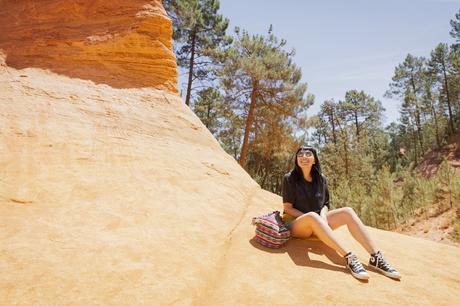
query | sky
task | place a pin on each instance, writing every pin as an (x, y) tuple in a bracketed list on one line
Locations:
[(348, 44)]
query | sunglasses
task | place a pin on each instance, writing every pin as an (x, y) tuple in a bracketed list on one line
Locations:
[(305, 153)]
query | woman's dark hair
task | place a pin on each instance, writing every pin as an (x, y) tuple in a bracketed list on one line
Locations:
[(315, 169)]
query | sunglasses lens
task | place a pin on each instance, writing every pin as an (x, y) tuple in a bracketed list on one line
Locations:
[(305, 153)]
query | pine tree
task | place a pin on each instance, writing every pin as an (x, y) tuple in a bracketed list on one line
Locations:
[(430, 102), (209, 107), (454, 80), (354, 144), (259, 73), (328, 117), (407, 85), (455, 31), (363, 110), (441, 67), (382, 201), (198, 32), (397, 158)]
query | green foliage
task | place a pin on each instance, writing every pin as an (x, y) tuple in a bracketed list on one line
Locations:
[(251, 98), (455, 31), (362, 111), (392, 200), (407, 84), (199, 33), (445, 178), (456, 232), (262, 84), (210, 107), (382, 212), (440, 66), (430, 93), (262, 60), (416, 196), (353, 145), (448, 194)]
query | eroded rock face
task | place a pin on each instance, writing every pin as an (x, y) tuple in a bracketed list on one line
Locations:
[(121, 196), (123, 43), (109, 196)]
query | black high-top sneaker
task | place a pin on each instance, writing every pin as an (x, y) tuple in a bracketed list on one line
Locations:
[(378, 263), (356, 267)]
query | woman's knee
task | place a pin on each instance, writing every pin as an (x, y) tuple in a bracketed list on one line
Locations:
[(311, 218), (350, 212), (341, 216)]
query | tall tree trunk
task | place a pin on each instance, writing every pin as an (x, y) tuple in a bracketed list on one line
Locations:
[(414, 138), (417, 114), (208, 115), (433, 111), (357, 124), (190, 71), (333, 127), (249, 120), (446, 86), (267, 170), (346, 162)]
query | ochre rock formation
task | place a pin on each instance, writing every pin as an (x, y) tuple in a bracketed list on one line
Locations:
[(116, 196), (123, 43)]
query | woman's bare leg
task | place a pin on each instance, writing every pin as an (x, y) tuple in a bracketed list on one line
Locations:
[(310, 223), (347, 215)]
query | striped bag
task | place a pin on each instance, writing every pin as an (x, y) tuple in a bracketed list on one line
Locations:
[(270, 230)]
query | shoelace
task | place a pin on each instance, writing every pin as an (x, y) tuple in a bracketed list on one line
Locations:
[(356, 264), (383, 263)]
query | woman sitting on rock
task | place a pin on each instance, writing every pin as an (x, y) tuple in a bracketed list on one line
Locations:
[(306, 212)]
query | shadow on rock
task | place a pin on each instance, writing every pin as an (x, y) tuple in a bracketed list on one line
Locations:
[(299, 250)]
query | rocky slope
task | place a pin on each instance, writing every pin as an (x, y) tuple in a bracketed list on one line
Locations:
[(430, 162), (120, 196)]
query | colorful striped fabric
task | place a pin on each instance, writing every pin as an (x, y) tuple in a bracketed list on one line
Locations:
[(270, 230)]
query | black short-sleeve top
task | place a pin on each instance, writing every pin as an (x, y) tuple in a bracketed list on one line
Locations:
[(305, 196)]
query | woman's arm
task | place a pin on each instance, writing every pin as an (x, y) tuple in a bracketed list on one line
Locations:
[(289, 209)]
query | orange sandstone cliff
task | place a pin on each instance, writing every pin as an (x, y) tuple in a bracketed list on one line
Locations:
[(123, 43), (112, 192)]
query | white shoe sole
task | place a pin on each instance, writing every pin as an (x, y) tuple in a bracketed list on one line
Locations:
[(359, 276), (388, 274)]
